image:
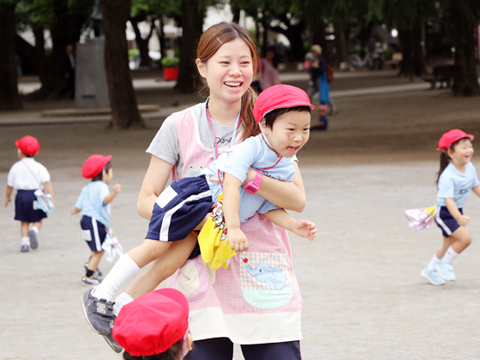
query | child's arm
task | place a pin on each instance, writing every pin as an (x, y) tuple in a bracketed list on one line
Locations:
[(285, 194), (476, 190), (75, 210), (231, 206), (303, 228), (457, 215), (9, 194), (49, 187), (109, 198)]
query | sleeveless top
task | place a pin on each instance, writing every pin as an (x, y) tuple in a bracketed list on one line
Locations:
[(257, 299)]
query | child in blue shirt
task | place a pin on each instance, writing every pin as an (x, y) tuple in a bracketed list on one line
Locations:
[(94, 203), (283, 113), (455, 179)]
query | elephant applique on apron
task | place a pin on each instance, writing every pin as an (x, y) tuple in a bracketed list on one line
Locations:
[(265, 280)]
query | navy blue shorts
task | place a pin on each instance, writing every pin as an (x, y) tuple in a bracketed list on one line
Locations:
[(446, 222), (179, 209), (93, 232), (26, 207)]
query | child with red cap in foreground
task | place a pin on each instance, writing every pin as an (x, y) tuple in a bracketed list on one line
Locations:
[(283, 113), (155, 326), (28, 175), (456, 177), (94, 203)]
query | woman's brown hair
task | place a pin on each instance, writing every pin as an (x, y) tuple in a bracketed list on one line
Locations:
[(209, 43)]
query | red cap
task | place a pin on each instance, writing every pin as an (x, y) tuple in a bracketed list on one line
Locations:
[(94, 165), (28, 145), (279, 97), (152, 323), (450, 137)]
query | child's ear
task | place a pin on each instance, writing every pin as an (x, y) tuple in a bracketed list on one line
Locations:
[(263, 124)]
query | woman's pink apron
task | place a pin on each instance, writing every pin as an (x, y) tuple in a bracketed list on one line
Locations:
[(257, 299)]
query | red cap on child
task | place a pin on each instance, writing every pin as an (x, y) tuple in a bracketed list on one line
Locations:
[(450, 137), (94, 165), (279, 97), (152, 323), (28, 145)]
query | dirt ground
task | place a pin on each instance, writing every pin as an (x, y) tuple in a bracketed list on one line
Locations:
[(360, 279)]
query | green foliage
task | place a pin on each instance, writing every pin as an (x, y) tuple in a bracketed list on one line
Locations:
[(170, 62)]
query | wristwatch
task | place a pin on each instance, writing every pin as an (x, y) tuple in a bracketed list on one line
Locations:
[(253, 186)]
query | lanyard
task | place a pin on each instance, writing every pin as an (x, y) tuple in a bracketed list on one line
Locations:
[(213, 142)]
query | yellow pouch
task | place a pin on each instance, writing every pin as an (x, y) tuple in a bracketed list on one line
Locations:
[(212, 239)]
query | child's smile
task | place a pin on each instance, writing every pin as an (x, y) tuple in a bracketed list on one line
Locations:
[(290, 132)]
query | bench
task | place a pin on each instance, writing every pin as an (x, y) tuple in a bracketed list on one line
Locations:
[(395, 60), (440, 74)]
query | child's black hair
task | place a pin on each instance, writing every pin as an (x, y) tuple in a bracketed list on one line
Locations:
[(445, 159), (99, 176), (174, 353), (274, 114)]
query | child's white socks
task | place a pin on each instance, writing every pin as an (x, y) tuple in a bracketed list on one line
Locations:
[(120, 301), (450, 255), (26, 240), (433, 263), (121, 272), (34, 228)]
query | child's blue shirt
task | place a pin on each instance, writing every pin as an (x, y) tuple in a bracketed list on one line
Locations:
[(454, 184), (91, 203), (237, 160)]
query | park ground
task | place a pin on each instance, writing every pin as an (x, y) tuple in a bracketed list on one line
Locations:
[(360, 278)]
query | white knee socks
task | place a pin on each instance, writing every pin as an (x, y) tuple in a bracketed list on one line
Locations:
[(433, 263), (121, 272), (450, 255), (122, 299)]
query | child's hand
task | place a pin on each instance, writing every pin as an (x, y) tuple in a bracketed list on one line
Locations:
[(238, 240), (117, 188), (7, 200), (305, 228), (463, 220)]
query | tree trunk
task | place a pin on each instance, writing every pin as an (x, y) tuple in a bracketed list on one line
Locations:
[(405, 41), (419, 67), (161, 37), (142, 43), (9, 98), (465, 77), (125, 112), (340, 43), (193, 12)]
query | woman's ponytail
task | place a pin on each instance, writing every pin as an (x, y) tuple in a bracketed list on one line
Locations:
[(250, 126)]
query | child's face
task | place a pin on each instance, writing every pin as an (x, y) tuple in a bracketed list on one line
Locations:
[(107, 176), (462, 153), (290, 132), (229, 72)]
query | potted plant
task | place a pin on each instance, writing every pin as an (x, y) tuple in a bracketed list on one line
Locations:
[(170, 68)]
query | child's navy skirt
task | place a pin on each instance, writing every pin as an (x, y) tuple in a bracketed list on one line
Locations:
[(446, 222), (179, 209), (26, 207), (93, 232)]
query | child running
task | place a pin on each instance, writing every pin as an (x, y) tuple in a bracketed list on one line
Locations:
[(456, 177), (26, 176), (283, 113), (94, 203)]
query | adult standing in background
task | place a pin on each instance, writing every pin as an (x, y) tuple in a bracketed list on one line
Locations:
[(269, 69), (69, 73)]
